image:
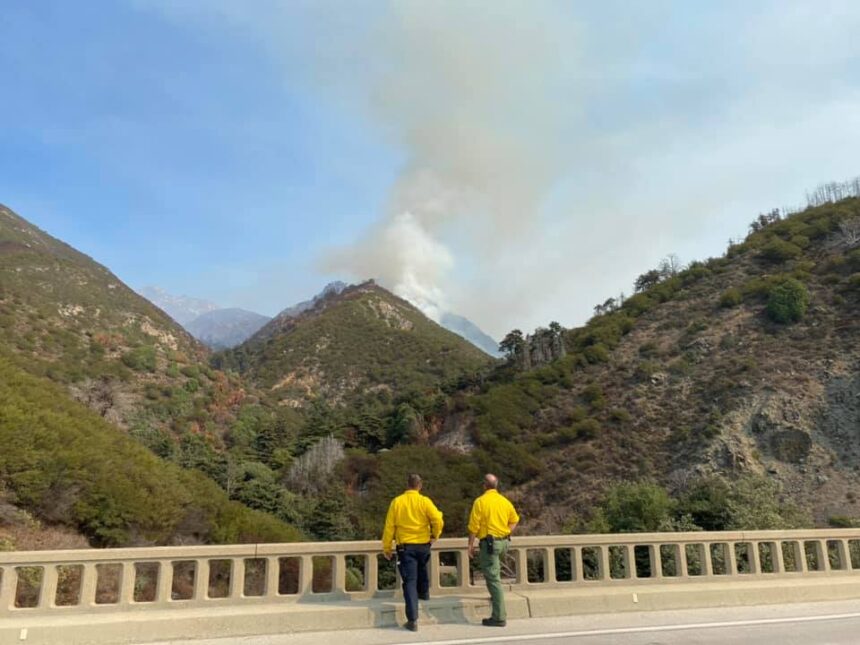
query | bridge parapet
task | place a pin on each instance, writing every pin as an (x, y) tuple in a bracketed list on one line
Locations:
[(139, 579)]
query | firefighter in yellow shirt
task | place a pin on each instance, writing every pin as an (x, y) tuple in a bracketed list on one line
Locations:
[(413, 522), (491, 522)]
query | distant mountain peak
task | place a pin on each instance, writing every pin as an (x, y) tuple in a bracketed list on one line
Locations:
[(183, 309)]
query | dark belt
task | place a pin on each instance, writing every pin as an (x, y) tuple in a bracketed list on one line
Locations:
[(496, 538)]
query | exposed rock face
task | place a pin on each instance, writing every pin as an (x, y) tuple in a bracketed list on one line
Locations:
[(540, 348)]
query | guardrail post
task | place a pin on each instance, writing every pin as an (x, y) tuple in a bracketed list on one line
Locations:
[(48, 590), (778, 558)]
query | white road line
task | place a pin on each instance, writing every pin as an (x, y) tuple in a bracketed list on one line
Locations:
[(635, 630)]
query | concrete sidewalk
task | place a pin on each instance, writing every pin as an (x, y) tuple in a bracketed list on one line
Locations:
[(835, 623)]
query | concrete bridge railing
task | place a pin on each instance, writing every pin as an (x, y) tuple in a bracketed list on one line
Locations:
[(140, 579)]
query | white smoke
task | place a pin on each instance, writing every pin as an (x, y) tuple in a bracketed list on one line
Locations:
[(474, 97), (404, 258)]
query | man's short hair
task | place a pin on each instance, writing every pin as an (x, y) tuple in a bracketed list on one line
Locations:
[(413, 481), (491, 481)]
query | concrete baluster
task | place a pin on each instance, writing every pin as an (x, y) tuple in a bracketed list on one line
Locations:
[(707, 562), (89, 582), (338, 562), (521, 556), (549, 566), (824, 556), (273, 577), (576, 564), (603, 570), (306, 575), (778, 558), (126, 583), (755, 560), (845, 551), (800, 556), (8, 585), (48, 588), (629, 562), (656, 558), (201, 580), (436, 571), (731, 559), (237, 578), (372, 573), (681, 555), (165, 582)]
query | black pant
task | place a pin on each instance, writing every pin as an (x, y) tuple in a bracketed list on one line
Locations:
[(413, 560)]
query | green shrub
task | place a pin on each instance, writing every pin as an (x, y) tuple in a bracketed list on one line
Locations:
[(140, 359), (788, 302), (593, 395), (694, 273), (778, 250), (586, 429), (646, 369), (596, 354), (761, 286), (636, 508), (731, 297), (800, 241), (649, 349), (620, 415), (854, 281), (637, 305)]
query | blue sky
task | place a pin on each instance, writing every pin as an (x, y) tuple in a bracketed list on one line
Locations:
[(548, 152)]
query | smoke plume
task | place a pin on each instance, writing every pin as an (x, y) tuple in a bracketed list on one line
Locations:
[(477, 96)]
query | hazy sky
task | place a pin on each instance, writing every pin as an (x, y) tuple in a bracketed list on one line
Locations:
[(515, 162)]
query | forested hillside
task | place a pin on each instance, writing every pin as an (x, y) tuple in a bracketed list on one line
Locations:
[(68, 467), (724, 394), (349, 343)]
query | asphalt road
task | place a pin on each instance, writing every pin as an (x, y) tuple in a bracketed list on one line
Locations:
[(836, 623)]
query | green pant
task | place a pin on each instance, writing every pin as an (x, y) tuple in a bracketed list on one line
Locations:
[(491, 567)]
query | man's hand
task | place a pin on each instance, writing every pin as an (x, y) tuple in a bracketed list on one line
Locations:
[(472, 551), (388, 555)]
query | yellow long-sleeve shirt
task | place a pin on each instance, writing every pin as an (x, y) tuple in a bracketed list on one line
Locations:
[(412, 519), (492, 514)]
